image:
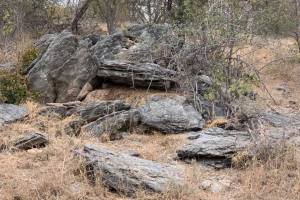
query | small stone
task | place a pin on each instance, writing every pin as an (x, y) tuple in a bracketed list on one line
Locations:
[(30, 141)]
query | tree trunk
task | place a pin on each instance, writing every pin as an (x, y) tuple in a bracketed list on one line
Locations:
[(297, 33), (169, 5), (111, 25), (79, 15)]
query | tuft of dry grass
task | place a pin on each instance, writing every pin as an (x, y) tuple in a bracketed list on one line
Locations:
[(276, 178)]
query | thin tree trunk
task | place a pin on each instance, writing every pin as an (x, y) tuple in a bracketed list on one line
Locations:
[(79, 15), (169, 5), (111, 25), (297, 5)]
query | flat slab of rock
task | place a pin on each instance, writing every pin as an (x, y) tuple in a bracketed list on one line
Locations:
[(30, 141), (10, 113), (128, 174), (116, 122), (171, 115), (147, 75), (280, 120), (86, 111), (214, 143)]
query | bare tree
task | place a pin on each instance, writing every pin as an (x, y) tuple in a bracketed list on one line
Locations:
[(79, 14), (108, 11)]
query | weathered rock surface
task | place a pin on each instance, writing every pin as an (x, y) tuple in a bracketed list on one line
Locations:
[(30, 141), (93, 111), (68, 80), (72, 127), (11, 113), (128, 174), (280, 120), (148, 75), (170, 115), (59, 50), (86, 111), (67, 64), (114, 123), (216, 146), (214, 143)]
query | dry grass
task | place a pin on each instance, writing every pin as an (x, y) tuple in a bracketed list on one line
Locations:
[(54, 173), (277, 178)]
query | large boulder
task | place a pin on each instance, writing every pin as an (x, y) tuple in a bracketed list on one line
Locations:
[(129, 174), (57, 53), (68, 80), (171, 115), (11, 113)]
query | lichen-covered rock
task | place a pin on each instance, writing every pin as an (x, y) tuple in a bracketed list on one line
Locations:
[(59, 50), (10, 113), (69, 79), (129, 174), (171, 115)]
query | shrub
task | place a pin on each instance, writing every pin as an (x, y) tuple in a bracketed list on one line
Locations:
[(13, 88), (28, 57)]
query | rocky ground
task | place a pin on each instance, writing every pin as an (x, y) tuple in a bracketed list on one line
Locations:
[(96, 136)]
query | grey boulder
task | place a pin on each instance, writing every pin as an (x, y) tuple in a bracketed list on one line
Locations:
[(128, 174), (68, 80), (215, 144), (171, 115), (56, 54), (11, 113)]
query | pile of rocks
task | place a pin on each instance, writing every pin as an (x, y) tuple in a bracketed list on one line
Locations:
[(68, 68)]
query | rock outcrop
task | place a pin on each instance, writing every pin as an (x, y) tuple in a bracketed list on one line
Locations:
[(147, 75), (129, 174), (10, 113), (67, 64), (171, 115), (57, 53)]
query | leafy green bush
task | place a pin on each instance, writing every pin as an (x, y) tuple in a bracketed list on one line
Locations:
[(28, 57), (13, 88)]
